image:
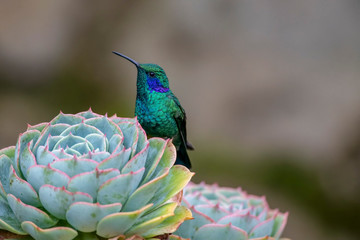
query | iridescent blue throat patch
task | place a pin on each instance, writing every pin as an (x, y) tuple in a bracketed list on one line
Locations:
[(155, 85)]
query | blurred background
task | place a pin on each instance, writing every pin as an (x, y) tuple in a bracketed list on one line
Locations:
[(271, 89)]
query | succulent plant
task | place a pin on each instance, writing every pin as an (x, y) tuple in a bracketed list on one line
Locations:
[(227, 213), (93, 175)]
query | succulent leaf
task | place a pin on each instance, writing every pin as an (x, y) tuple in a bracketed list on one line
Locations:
[(86, 182), (5, 167), (264, 228), (22, 189), (156, 149), (119, 188), (27, 160), (244, 221), (8, 151), (25, 212), (118, 223), (85, 216), (56, 233), (167, 159), (39, 175), (141, 197), (148, 220), (117, 160), (137, 162), (157, 191), (170, 224), (23, 140), (167, 191), (188, 228), (8, 220), (219, 231), (57, 200), (74, 166), (279, 224), (156, 217), (38, 127), (215, 211)]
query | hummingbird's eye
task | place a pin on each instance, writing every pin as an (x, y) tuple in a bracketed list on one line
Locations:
[(151, 74)]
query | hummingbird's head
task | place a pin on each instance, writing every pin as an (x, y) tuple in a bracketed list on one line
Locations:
[(150, 76), (155, 77)]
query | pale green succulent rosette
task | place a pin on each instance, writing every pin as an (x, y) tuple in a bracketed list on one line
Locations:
[(90, 174), (228, 213)]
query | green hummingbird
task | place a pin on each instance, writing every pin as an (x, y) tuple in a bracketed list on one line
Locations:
[(158, 110)]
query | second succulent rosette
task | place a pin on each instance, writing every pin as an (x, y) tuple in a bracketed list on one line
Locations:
[(229, 213)]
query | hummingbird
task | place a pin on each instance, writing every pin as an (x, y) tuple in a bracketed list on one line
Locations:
[(158, 110)]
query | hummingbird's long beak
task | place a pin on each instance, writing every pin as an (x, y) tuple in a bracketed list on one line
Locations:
[(126, 57)]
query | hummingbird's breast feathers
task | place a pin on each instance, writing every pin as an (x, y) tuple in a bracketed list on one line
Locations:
[(157, 114)]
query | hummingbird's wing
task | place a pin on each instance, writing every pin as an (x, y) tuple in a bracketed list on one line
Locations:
[(181, 124), (180, 118)]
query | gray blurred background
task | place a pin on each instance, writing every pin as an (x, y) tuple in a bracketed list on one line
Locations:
[(271, 89)]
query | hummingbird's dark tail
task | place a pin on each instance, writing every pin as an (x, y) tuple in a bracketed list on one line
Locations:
[(182, 157)]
